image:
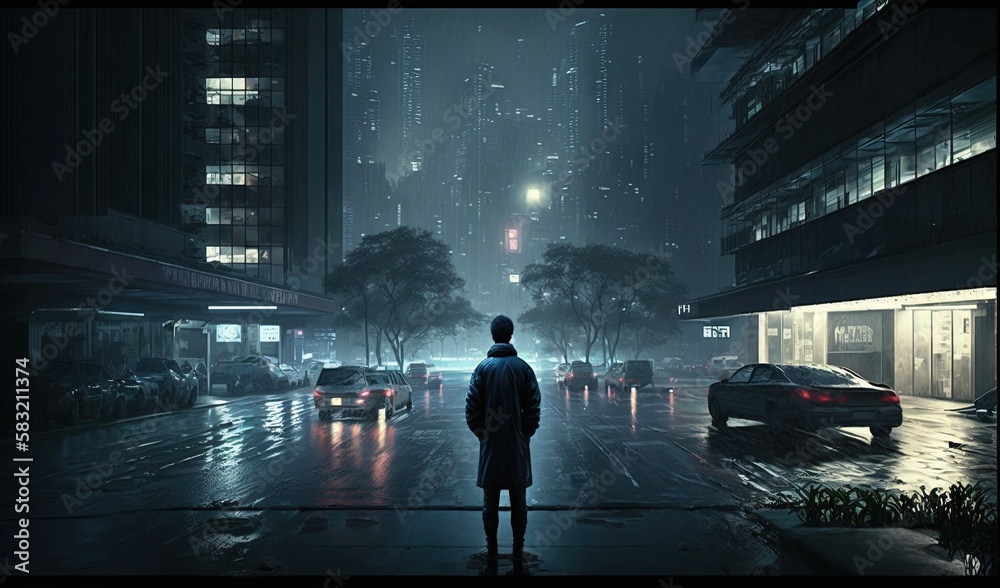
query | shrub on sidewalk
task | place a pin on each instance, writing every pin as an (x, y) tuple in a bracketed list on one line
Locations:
[(964, 515)]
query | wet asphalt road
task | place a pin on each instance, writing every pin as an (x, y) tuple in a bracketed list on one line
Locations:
[(649, 448)]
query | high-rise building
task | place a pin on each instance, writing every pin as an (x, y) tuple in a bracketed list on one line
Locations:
[(411, 64), (192, 153), (362, 133), (477, 176), (862, 211), (688, 231)]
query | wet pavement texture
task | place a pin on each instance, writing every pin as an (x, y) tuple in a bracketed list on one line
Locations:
[(260, 485)]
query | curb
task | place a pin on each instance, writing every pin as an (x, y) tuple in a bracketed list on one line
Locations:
[(842, 551)]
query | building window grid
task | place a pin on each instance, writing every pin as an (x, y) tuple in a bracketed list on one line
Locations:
[(824, 30), (249, 174), (868, 164)]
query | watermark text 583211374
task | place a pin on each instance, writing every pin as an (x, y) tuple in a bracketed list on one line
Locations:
[(22, 463)]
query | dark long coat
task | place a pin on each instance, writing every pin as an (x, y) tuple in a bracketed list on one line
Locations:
[(503, 409)]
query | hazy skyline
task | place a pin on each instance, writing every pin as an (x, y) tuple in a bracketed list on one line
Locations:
[(451, 46)]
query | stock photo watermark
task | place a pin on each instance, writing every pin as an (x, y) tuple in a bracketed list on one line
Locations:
[(123, 106), (713, 28), (566, 10), (32, 25), (378, 21), (786, 127), (901, 14)]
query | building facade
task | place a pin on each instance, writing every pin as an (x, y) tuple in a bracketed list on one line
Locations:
[(162, 161), (862, 217)]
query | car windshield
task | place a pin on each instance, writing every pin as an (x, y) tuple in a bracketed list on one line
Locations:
[(640, 367), (250, 359), (379, 380), (339, 377), (826, 375), (149, 365), (582, 367)]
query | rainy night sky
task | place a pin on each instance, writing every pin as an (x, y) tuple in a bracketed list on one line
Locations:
[(452, 41)]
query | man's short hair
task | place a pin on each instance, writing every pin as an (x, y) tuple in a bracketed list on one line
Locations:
[(502, 329)]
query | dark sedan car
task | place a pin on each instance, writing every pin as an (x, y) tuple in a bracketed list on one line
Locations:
[(176, 387), (813, 396), (250, 372), (579, 376), (71, 390)]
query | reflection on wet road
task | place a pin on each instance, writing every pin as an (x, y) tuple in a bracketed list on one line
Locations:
[(647, 447)]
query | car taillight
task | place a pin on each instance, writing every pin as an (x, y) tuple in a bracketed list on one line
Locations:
[(317, 393), (890, 398), (821, 397), (365, 393)]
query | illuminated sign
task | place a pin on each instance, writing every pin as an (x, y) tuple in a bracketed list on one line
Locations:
[(228, 334), (515, 278), (512, 240), (270, 333), (716, 332)]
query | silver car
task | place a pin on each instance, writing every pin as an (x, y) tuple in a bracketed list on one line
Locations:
[(360, 390)]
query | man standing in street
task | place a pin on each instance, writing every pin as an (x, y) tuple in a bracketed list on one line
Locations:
[(503, 410)]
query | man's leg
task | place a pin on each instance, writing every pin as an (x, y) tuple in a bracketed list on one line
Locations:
[(519, 525), (491, 521)]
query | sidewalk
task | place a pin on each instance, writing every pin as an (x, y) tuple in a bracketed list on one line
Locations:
[(660, 543)]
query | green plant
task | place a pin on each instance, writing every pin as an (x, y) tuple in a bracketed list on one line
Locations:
[(964, 515)]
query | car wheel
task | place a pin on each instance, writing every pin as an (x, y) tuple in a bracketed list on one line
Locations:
[(324, 415), (73, 414), (776, 420), (166, 401), (880, 431), (118, 410), (389, 407), (193, 398), (719, 418), (140, 402), (409, 402)]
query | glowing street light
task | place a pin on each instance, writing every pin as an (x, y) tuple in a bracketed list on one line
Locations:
[(534, 195)]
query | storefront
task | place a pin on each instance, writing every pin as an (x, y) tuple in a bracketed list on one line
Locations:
[(938, 345)]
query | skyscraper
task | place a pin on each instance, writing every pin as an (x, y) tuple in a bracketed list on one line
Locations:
[(478, 179), (411, 63), (363, 188)]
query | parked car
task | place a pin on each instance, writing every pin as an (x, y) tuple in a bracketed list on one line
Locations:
[(295, 377), (434, 376), (251, 372), (580, 374), (561, 370), (176, 387), (986, 406), (147, 395), (200, 369), (312, 373), (722, 366), (68, 391), (631, 373), (418, 374), (357, 389), (810, 396), (673, 366)]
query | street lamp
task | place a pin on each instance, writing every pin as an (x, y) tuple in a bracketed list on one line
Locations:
[(534, 195)]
